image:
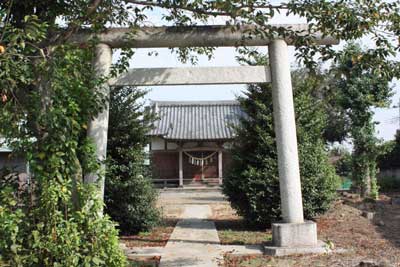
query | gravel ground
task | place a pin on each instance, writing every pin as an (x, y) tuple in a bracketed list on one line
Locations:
[(376, 242)]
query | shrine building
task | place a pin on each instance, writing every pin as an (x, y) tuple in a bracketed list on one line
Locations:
[(190, 141)]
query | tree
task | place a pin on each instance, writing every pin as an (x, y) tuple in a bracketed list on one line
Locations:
[(129, 194), (346, 20), (59, 224), (342, 161), (361, 86), (47, 100), (252, 185)]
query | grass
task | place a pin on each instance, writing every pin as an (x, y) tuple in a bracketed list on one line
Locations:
[(233, 230), (237, 232)]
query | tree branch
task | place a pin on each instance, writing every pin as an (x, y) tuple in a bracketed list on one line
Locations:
[(74, 26), (6, 20), (203, 11)]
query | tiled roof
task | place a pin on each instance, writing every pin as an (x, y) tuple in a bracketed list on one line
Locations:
[(200, 120)]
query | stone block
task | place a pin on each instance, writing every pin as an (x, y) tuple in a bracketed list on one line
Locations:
[(294, 234), (368, 215), (272, 250)]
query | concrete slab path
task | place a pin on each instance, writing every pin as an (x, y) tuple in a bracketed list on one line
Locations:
[(194, 241)]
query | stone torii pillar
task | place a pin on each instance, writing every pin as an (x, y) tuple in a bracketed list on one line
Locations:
[(98, 127), (293, 235), (285, 131)]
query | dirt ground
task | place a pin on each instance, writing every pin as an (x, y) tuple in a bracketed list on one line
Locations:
[(375, 242), (157, 237)]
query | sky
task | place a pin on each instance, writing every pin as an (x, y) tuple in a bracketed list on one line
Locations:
[(387, 118)]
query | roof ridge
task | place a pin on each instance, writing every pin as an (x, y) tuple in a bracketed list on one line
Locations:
[(194, 103)]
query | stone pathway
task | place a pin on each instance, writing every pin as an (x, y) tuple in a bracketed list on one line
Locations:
[(194, 241)]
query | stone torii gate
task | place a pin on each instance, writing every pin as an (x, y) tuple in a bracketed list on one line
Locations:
[(293, 234)]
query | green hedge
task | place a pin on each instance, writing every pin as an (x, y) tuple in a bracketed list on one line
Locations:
[(129, 194), (252, 185)]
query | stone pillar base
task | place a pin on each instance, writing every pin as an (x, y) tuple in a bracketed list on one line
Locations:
[(294, 238), (294, 234), (272, 250)]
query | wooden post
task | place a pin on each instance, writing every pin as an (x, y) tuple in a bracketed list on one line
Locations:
[(180, 168), (220, 166)]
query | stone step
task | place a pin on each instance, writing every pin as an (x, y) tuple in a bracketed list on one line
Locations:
[(189, 189)]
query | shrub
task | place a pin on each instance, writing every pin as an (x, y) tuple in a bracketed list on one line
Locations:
[(130, 201), (343, 163), (33, 235), (388, 160), (252, 185), (390, 154), (129, 194), (389, 183)]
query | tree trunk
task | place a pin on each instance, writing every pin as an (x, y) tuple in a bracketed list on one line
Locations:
[(366, 181), (76, 179)]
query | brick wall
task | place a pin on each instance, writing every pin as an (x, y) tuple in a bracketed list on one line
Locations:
[(165, 165)]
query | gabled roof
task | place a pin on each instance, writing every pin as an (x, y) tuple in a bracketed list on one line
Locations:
[(200, 120)]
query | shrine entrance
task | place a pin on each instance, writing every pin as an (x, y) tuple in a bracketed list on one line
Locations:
[(294, 234), (200, 165)]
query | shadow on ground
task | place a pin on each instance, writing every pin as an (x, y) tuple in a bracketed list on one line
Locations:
[(235, 225)]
